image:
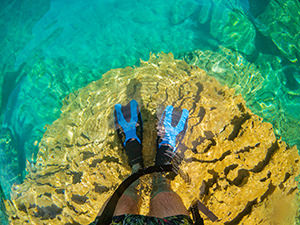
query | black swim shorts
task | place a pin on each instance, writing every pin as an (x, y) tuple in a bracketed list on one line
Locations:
[(149, 220)]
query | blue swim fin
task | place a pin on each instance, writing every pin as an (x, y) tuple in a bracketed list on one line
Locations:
[(128, 122), (171, 129)]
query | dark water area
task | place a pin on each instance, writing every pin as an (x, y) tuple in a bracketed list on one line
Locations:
[(49, 49)]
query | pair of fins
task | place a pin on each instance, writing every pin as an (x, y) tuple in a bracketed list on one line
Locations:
[(170, 131)]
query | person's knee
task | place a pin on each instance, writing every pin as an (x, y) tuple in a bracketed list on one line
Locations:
[(166, 204), (160, 184), (126, 205)]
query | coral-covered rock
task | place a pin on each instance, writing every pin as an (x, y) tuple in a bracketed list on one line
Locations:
[(262, 84), (235, 164)]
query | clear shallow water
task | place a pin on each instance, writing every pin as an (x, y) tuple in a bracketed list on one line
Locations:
[(51, 48)]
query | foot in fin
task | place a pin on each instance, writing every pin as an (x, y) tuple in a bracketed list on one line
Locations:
[(128, 122), (171, 129)]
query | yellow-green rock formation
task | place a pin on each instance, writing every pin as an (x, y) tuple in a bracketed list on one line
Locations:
[(262, 85), (236, 166)]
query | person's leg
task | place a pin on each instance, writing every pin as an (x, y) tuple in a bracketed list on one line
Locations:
[(128, 203), (165, 202), (170, 130), (128, 122)]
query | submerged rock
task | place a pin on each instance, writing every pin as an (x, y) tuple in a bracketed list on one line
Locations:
[(280, 22), (233, 29), (33, 102), (182, 10), (262, 84), (204, 11), (236, 166)]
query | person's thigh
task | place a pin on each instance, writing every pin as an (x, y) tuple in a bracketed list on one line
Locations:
[(166, 204)]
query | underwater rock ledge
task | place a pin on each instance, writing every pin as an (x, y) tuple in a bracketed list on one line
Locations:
[(236, 166)]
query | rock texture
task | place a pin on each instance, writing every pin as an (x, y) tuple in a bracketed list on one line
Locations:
[(262, 84), (235, 164), (32, 102)]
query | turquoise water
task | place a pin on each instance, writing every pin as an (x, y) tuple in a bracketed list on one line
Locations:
[(51, 48)]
